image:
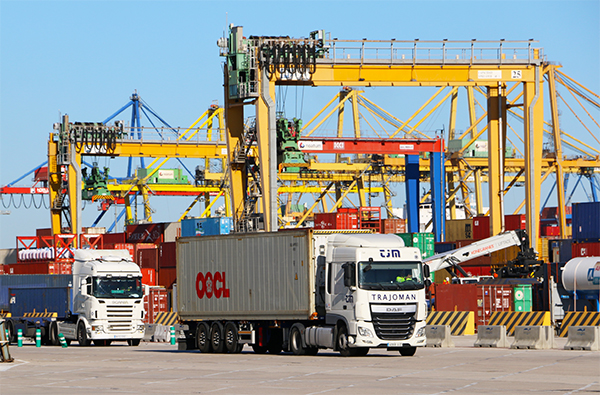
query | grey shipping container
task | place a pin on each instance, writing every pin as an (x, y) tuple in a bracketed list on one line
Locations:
[(30, 281), (586, 221), (258, 276), (51, 300)]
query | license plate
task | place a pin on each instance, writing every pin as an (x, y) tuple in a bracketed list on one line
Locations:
[(394, 344)]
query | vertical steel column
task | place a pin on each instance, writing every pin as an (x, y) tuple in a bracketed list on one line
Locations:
[(496, 110), (54, 185), (438, 201), (411, 183)]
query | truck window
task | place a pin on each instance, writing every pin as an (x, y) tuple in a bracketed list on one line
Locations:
[(390, 275), (117, 287), (328, 279)]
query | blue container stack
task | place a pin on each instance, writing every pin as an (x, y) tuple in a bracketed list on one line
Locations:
[(586, 222), (212, 226)]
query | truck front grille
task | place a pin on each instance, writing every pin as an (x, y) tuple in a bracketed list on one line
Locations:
[(393, 326), (119, 317)]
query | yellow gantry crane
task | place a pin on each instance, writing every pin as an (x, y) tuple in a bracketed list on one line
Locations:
[(510, 75)]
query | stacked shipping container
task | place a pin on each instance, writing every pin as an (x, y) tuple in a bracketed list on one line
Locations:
[(586, 229)]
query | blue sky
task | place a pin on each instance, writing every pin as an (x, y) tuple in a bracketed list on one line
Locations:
[(85, 58)]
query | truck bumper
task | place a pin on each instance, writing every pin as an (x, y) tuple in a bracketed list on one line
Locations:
[(366, 337)]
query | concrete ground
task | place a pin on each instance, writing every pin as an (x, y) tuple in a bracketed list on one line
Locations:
[(158, 368)]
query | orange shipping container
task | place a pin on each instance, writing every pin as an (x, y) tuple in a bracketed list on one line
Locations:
[(394, 225), (148, 276), (167, 276), (155, 301)]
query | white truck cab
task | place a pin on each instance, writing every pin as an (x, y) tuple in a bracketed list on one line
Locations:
[(107, 299)]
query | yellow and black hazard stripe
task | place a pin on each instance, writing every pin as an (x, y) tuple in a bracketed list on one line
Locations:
[(166, 318), (512, 319), (461, 322), (40, 315), (5, 315), (578, 318)]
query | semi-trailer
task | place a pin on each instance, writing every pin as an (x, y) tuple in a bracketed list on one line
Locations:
[(101, 302), (301, 291)]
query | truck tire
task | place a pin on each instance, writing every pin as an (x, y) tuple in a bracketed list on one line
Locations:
[(232, 340), (82, 337), (12, 336), (259, 349), (203, 338), (54, 334), (133, 342), (408, 351), (296, 342), (312, 351), (341, 342), (216, 337)]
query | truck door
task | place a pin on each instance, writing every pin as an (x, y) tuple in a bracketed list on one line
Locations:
[(342, 298)]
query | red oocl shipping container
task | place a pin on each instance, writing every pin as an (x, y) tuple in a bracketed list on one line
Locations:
[(145, 233), (148, 276), (167, 276), (481, 227), (585, 249), (515, 221), (394, 225), (167, 255), (155, 301), (147, 257)]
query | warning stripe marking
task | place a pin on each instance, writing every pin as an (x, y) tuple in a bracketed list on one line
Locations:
[(166, 318), (40, 315), (5, 315), (512, 319), (457, 320), (577, 318)]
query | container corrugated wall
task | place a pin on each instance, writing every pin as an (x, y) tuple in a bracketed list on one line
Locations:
[(586, 221), (31, 281), (266, 276)]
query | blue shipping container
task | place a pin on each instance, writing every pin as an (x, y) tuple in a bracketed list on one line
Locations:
[(586, 221), (39, 300), (206, 226), (445, 246), (30, 281)]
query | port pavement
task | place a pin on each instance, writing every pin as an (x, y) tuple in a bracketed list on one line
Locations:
[(158, 368)]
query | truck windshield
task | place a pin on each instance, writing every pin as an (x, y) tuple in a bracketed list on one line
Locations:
[(117, 287), (390, 275)]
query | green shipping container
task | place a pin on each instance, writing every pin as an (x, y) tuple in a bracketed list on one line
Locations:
[(522, 296), (423, 241)]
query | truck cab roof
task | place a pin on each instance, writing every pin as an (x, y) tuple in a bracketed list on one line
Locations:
[(99, 262)]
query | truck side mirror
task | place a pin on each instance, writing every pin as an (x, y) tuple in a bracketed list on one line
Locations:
[(349, 274), (426, 271)]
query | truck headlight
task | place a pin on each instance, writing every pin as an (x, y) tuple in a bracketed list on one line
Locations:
[(421, 332), (141, 328), (366, 332), (97, 328)]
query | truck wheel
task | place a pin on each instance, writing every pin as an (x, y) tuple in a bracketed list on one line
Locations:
[(342, 342), (259, 349), (361, 351), (10, 327), (232, 338), (82, 338), (296, 342), (408, 351), (312, 351), (216, 337), (54, 334), (203, 338), (133, 342)]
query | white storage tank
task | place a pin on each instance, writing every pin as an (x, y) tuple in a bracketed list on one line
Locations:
[(582, 274)]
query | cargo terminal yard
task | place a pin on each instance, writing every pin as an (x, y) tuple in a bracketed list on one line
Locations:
[(391, 245)]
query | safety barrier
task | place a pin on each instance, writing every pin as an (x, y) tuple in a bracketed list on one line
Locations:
[(40, 315), (578, 318), (5, 315), (583, 338), (166, 318), (460, 322), (438, 336), (491, 336), (512, 319), (534, 337)]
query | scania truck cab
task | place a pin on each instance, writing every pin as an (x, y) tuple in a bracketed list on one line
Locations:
[(107, 299)]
